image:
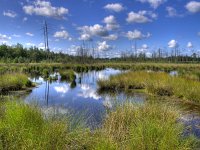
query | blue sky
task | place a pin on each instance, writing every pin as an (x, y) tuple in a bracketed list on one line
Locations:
[(109, 26)]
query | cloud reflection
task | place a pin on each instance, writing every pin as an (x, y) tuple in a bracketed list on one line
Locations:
[(62, 88), (88, 92)]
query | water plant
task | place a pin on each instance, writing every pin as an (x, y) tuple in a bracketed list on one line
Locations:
[(158, 83), (129, 126), (68, 75), (15, 81)]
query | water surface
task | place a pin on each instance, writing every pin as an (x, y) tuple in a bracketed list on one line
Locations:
[(80, 98)]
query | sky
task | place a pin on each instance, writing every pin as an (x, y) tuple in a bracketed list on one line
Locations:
[(107, 26)]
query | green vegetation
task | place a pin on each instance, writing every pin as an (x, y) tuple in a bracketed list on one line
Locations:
[(68, 75), (19, 54), (24, 127), (128, 127), (158, 83), (152, 126), (48, 68), (13, 82)]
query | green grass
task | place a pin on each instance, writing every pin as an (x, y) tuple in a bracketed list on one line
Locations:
[(12, 82), (150, 126), (37, 68), (68, 75), (157, 83), (24, 127)]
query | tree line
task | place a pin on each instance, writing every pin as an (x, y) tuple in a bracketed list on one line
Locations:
[(19, 54)]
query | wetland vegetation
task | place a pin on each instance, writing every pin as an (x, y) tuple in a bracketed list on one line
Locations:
[(127, 126), (124, 125), (158, 83)]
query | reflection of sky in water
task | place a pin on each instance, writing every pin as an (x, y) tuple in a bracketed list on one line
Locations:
[(191, 123), (83, 99)]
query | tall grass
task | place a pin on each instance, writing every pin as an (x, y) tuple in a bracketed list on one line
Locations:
[(145, 127), (68, 75), (158, 83), (15, 81), (128, 127), (24, 127)]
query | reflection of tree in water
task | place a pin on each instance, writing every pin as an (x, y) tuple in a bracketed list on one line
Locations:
[(47, 92), (73, 84)]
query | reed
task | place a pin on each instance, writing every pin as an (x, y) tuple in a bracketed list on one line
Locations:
[(68, 75), (13, 82), (129, 126), (158, 83)]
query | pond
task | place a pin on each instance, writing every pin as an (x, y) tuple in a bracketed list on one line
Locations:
[(80, 98)]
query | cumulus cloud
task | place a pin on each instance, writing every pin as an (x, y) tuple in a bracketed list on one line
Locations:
[(111, 23), (44, 8), (10, 13), (41, 46), (172, 44), (145, 46), (73, 50), (29, 34), (136, 35), (95, 30), (85, 37), (115, 7), (154, 3), (4, 38), (62, 34), (111, 37), (193, 6), (103, 46), (141, 17), (189, 45), (172, 12)]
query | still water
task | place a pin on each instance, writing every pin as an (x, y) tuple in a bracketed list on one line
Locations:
[(80, 98)]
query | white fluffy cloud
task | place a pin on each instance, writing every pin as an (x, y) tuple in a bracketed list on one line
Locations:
[(95, 30), (189, 45), (141, 17), (145, 46), (41, 46), (4, 38), (61, 34), (136, 35), (85, 37), (116, 7), (44, 8), (29, 34), (193, 6), (103, 46), (10, 13), (111, 23), (172, 44), (172, 12), (154, 3)]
